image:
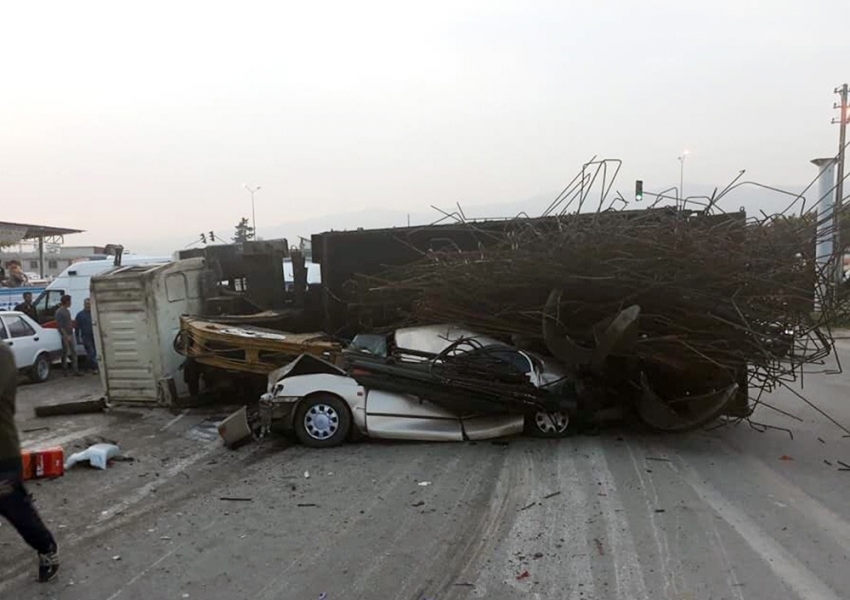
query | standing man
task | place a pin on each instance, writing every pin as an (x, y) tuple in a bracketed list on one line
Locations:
[(66, 329), (17, 277), (15, 503), (85, 335), (27, 307)]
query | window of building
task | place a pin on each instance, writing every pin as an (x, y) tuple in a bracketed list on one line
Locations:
[(51, 264), (33, 264)]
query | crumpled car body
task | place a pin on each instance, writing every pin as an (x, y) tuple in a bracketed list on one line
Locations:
[(382, 414)]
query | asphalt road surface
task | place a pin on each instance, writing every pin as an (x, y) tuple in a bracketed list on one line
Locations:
[(728, 514)]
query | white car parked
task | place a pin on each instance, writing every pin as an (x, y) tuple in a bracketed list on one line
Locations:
[(35, 348)]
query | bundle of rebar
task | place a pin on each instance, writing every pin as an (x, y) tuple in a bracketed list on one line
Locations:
[(718, 294)]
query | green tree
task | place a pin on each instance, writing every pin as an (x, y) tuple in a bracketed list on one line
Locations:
[(244, 232)]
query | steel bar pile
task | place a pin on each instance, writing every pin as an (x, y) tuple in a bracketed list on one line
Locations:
[(466, 378), (720, 298)]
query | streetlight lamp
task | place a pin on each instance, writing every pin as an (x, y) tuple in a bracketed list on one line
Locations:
[(253, 214), (682, 174)]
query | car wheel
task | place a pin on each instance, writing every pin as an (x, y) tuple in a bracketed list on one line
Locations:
[(547, 424), (322, 421), (40, 371)]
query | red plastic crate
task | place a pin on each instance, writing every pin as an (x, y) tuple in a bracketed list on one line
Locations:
[(43, 463)]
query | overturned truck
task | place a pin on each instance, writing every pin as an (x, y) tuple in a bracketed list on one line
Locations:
[(672, 316)]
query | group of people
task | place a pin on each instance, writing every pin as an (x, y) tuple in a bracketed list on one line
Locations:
[(16, 505), (73, 330), (77, 330), (15, 277)]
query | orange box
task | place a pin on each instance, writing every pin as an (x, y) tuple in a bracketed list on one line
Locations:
[(43, 463)]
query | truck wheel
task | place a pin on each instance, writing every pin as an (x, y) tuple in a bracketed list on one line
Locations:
[(547, 424), (40, 370), (322, 421)]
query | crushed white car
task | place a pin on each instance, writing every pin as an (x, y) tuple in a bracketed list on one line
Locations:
[(324, 404)]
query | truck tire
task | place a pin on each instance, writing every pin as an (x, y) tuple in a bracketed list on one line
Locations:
[(40, 370), (322, 421)]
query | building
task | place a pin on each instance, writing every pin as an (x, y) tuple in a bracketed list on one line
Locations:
[(27, 243), (56, 259)]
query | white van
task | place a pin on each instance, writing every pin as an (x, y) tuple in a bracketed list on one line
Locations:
[(76, 279)]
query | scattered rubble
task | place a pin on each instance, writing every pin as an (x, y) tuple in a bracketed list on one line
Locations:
[(98, 456)]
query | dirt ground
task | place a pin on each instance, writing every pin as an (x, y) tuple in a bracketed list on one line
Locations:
[(731, 513)]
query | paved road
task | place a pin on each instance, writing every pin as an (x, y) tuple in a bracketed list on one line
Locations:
[(727, 514)]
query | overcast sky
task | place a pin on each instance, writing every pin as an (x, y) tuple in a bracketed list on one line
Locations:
[(140, 122)]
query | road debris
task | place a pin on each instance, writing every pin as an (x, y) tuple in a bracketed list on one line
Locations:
[(420, 503), (306, 474), (523, 575), (34, 429), (527, 506), (424, 483), (599, 548), (306, 504), (786, 457), (71, 408), (97, 455), (235, 499), (552, 495), (843, 464), (658, 459)]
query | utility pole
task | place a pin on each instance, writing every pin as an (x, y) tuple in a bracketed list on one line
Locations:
[(839, 183)]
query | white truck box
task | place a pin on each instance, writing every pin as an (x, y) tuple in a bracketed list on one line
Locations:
[(136, 312)]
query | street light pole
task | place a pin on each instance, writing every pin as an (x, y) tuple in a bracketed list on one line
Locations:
[(682, 176), (253, 213), (839, 184)]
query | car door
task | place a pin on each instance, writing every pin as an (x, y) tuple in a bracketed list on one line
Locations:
[(47, 303), (22, 339), (405, 417)]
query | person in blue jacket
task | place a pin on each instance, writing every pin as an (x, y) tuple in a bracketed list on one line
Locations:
[(85, 335)]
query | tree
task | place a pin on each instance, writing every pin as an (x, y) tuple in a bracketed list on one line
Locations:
[(244, 232)]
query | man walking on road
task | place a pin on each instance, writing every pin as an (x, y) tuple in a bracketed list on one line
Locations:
[(66, 329), (85, 335), (27, 307), (15, 503)]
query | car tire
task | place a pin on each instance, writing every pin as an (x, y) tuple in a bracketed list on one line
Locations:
[(322, 421), (40, 370), (544, 424)]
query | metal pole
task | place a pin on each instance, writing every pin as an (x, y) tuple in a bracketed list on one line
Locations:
[(839, 186), (682, 176), (825, 224), (41, 256), (253, 216), (253, 213)]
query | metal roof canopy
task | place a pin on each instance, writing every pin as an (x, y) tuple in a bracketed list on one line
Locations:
[(40, 233)]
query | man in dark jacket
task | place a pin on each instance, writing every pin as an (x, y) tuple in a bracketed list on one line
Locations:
[(15, 503), (27, 307), (85, 335)]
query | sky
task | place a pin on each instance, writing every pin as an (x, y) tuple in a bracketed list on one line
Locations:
[(142, 122)]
